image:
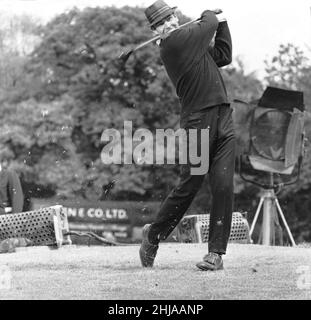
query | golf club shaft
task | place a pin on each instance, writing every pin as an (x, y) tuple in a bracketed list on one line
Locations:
[(217, 11), (158, 36), (125, 55)]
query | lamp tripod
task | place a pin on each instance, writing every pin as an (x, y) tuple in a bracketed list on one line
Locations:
[(271, 209)]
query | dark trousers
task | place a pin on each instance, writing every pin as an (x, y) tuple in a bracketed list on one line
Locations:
[(221, 170)]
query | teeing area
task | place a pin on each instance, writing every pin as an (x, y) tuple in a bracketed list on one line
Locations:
[(114, 272)]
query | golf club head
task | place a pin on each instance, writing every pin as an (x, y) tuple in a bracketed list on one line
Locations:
[(124, 56), (87, 53)]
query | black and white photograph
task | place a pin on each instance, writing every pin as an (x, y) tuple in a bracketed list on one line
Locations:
[(155, 154)]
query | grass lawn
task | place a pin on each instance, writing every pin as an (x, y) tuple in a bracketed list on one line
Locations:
[(251, 272)]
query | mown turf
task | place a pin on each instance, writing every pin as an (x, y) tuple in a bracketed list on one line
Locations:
[(251, 272)]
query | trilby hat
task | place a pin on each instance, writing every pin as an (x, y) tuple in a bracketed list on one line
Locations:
[(158, 11)]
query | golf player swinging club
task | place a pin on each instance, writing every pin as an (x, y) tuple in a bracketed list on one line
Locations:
[(192, 56)]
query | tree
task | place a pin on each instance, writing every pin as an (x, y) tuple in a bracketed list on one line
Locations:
[(290, 69), (92, 92), (18, 36)]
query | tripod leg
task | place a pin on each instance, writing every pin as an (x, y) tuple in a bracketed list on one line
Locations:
[(267, 226), (256, 216), (285, 223), (278, 232)]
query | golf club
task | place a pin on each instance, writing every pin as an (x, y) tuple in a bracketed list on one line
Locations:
[(124, 56)]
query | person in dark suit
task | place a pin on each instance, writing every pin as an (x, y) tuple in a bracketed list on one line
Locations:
[(11, 193), (192, 56)]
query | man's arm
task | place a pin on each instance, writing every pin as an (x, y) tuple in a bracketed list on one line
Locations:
[(221, 51), (16, 192), (190, 43), (207, 26)]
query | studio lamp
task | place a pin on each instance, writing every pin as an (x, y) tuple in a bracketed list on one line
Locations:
[(274, 152)]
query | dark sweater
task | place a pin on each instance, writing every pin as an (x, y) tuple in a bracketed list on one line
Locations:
[(11, 194), (192, 64)]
